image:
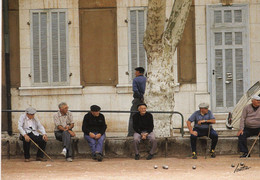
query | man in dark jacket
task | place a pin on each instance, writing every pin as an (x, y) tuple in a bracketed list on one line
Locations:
[(94, 127), (143, 127), (139, 83)]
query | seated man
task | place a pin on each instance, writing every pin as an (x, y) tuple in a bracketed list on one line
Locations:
[(249, 124), (28, 127), (202, 119), (64, 123), (143, 127), (94, 127)]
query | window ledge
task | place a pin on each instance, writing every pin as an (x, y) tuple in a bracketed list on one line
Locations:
[(124, 89), (50, 90)]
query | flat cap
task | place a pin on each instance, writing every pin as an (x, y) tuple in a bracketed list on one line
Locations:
[(30, 110), (95, 108), (204, 105), (256, 97), (141, 104), (140, 69)]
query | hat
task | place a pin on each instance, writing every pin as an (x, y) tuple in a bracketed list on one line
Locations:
[(256, 97), (95, 108), (30, 110), (140, 69), (141, 104), (204, 105)]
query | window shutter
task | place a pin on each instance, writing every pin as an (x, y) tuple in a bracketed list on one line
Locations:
[(227, 16), (44, 50), (141, 28), (218, 38), (219, 77), (228, 38), (238, 16), (36, 47), (217, 17), (55, 47), (63, 48), (239, 73), (133, 35)]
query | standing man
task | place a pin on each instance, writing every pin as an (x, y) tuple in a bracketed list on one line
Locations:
[(94, 127), (203, 119), (139, 83), (64, 123), (28, 127), (143, 127), (249, 124)]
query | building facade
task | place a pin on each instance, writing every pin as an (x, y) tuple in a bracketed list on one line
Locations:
[(85, 52)]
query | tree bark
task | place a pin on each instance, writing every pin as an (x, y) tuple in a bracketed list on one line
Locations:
[(160, 46)]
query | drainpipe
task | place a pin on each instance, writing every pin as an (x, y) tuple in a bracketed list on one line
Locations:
[(7, 64)]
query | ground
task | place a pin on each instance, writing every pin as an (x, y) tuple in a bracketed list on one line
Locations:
[(126, 168)]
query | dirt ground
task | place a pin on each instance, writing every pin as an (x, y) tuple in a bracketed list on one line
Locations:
[(126, 168)]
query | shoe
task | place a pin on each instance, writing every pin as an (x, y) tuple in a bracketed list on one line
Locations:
[(64, 152), (69, 159), (40, 159), (245, 155), (149, 157), (137, 157), (194, 155), (212, 153), (27, 160), (99, 157), (94, 157)]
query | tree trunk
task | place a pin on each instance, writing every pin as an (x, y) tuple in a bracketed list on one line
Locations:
[(160, 46)]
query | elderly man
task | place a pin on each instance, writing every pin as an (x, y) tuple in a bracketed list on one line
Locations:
[(138, 94), (249, 124), (94, 127), (28, 127), (202, 118), (64, 123), (143, 127)]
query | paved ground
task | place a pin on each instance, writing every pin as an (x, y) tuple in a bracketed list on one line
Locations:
[(125, 168)]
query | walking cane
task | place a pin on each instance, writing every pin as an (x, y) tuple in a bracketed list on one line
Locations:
[(207, 142), (253, 145), (41, 149)]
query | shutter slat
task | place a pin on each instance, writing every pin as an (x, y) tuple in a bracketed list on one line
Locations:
[(36, 50), (54, 54), (44, 50), (63, 54), (141, 27), (239, 73)]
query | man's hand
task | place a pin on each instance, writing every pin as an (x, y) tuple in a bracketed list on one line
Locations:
[(67, 128), (45, 138), (27, 138), (92, 135), (201, 121), (195, 133), (98, 136), (144, 135), (72, 133), (240, 132)]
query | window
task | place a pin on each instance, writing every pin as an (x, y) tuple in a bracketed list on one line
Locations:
[(228, 54), (49, 42), (136, 29)]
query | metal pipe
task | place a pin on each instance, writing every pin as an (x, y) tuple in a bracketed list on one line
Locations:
[(7, 64)]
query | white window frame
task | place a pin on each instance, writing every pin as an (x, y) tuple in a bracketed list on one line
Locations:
[(129, 41), (232, 27), (49, 48)]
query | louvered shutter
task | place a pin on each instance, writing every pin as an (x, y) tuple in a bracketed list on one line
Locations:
[(40, 48), (63, 47), (137, 28)]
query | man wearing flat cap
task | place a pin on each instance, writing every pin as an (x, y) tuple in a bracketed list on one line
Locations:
[(139, 83), (203, 118), (143, 127), (249, 124), (94, 127), (28, 127)]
